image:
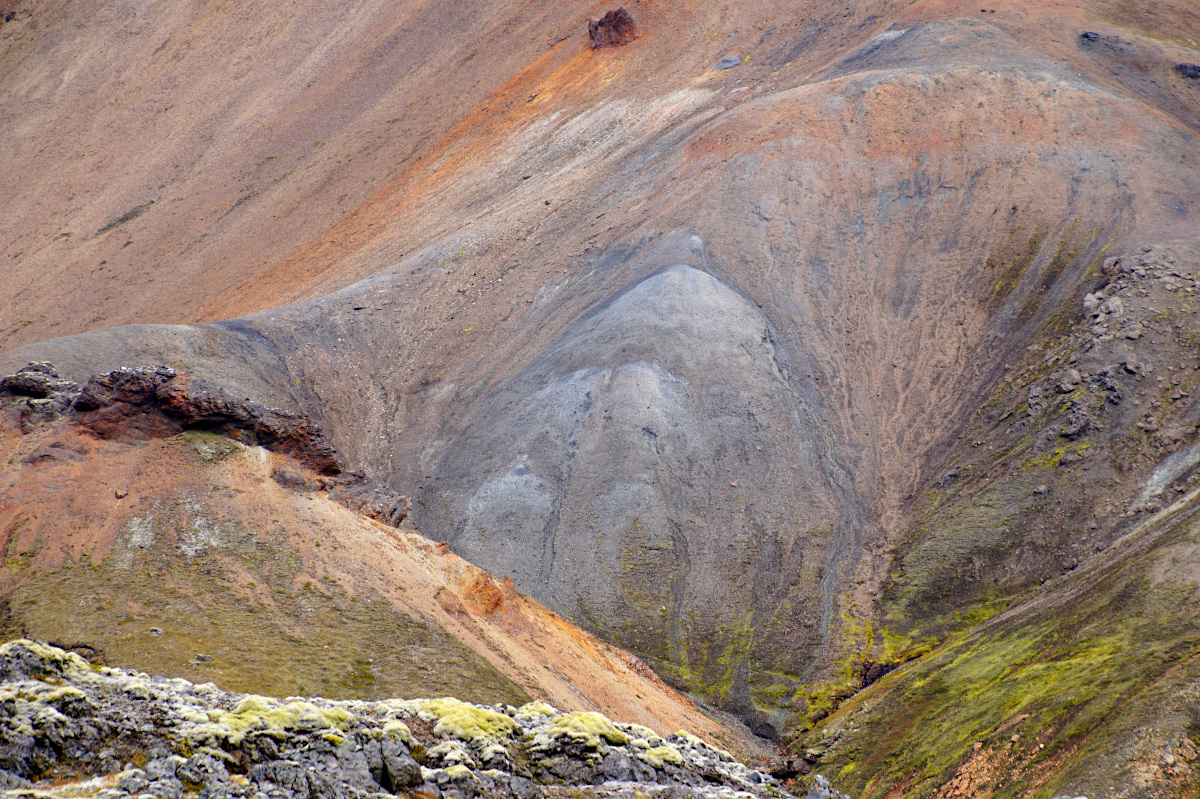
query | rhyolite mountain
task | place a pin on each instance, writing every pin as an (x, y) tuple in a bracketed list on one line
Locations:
[(836, 359)]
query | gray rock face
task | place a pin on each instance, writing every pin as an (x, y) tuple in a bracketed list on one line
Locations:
[(37, 393), (62, 720), (587, 477)]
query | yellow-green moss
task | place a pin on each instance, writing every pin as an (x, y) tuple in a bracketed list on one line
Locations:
[(469, 723), (536, 708), (588, 728), (1057, 675), (1045, 461), (269, 717), (60, 693), (657, 756), (398, 729), (68, 663)]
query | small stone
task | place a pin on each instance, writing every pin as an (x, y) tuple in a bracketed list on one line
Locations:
[(121, 493), (1069, 382), (728, 62), (1041, 489), (132, 780)]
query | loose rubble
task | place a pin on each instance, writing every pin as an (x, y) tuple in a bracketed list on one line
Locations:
[(68, 728), (821, 789), (1128, 278)]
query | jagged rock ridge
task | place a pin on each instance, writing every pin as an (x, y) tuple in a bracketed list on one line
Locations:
[(133, 403), (121, 733)]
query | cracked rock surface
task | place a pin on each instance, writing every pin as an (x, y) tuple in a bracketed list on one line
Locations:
[(68, 728)]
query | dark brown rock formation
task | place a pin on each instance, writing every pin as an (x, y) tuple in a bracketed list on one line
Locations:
[(155, 402), (158, 401), (614, 29)]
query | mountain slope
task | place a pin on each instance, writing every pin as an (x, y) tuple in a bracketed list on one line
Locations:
[(682, 336), (192, 554)]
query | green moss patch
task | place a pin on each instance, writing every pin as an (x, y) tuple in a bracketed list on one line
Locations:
[(1055, 677), (466, 722), (588, 728), (267, 716)]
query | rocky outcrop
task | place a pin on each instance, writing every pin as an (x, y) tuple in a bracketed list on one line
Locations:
[(147, 402), (64, 722), (156, 401), (146, 399), (614, 29), (363, 495), (37, 393)]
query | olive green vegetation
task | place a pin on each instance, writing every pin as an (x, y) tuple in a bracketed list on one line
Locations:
[(649, 571), (728, 667), (1060, 675), (211, 446), (649, 575), (961, 560), (1007, 264), (739, 665), (1066, 681), (588, 728), (865, 649), (178, 585), (940, 565)]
